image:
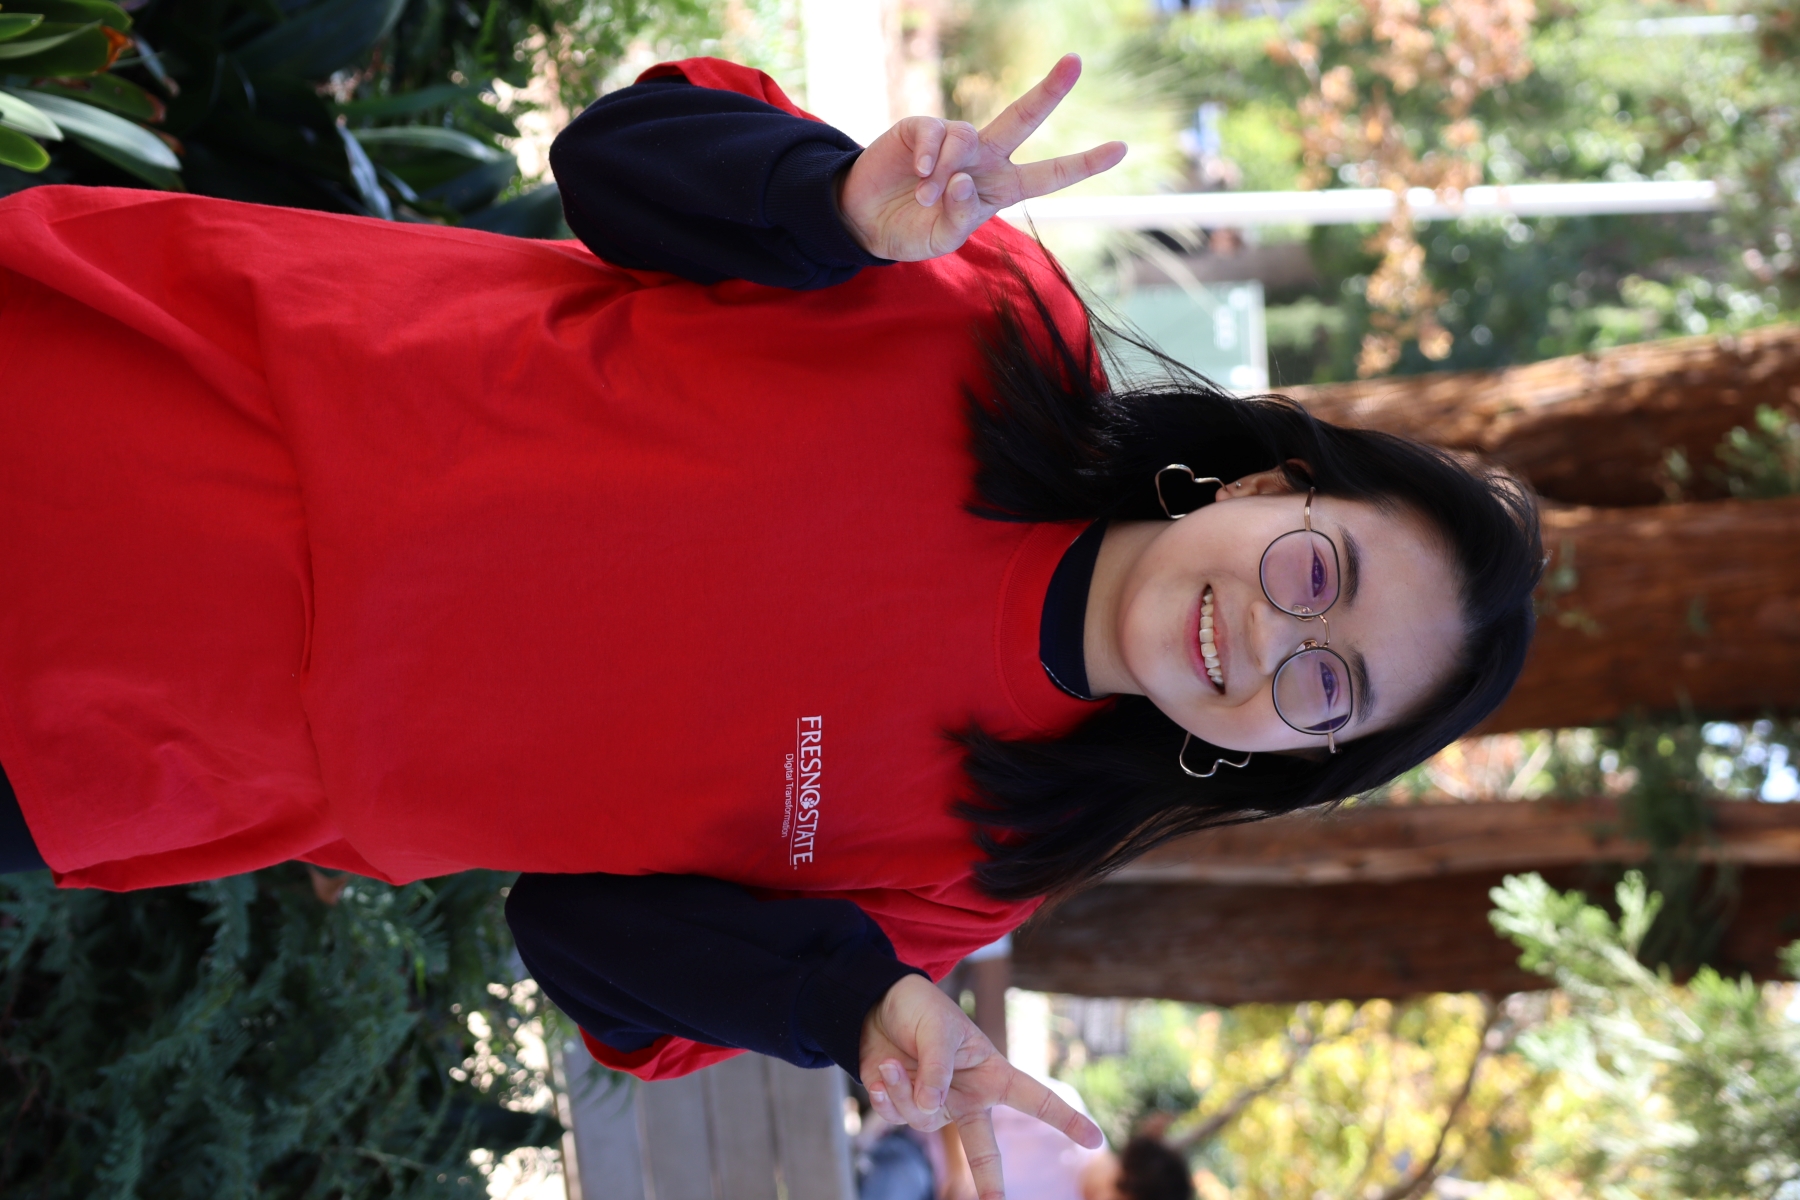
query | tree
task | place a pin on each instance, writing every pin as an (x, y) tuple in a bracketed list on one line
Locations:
[(1602, 101), (269, 1034), (1592, 429), (1691, 1092)]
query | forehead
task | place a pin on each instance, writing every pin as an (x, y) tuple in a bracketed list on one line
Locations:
[(1405, 617)]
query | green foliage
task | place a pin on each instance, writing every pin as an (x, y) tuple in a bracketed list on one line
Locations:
[(243, 1038), (1763, 462), (1690, 1092), (274, 101), (1605, 102), (1155, 1077)]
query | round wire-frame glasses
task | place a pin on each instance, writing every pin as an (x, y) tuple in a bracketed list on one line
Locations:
[(1299, 573)]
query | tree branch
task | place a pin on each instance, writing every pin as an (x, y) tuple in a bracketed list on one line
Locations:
[(1427, 1172)]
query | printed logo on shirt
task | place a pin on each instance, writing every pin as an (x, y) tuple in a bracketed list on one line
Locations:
[(805, 773)]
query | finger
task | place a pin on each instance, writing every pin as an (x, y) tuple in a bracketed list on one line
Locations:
[(957, 151), (1054, 174), (883, 1104), (1028, 1095), (939, 1040), (900, 1095), (1007, 131), (923, 136), (982, 1150)]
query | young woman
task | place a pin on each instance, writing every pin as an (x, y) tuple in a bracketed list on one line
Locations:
[(780, 586)]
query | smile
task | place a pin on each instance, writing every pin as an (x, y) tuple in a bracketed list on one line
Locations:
[(1209, 649)]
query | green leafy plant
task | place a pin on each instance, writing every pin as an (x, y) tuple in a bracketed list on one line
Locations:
[(384, 108), (1691, 1092), (55, 56), (1764, 462), (266, 1034)]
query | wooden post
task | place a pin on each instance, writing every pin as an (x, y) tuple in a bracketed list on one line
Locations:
[(1587, 429), (1675, 607), (1377, 901)]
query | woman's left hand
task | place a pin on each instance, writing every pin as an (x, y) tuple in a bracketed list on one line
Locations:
[(925, 185), (925, 1064)]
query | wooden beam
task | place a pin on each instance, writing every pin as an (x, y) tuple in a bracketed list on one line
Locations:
[(1663, 609), (1214, 944), (1392, 843), (1587, 429)]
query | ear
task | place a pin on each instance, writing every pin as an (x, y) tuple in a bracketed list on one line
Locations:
[(1272, 482)]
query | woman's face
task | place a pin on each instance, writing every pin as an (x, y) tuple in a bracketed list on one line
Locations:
[(1397, 621)]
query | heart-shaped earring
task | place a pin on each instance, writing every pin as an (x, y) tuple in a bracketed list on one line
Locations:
[(1193, 478)]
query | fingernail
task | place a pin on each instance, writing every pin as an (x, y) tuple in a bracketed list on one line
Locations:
[(925, 164), (962, 189), (877, 1095), (933, 1101), (928, 194), (890, 1072)]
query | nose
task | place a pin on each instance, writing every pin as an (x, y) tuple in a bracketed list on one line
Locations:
[(1273, 635)]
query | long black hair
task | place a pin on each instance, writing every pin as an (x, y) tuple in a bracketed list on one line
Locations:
[(1053, 443)]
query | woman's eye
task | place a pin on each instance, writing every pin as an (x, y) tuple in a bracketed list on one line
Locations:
[(1329, 681), (1318, 575)]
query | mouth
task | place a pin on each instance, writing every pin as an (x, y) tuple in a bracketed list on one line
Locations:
[(1209, 647)]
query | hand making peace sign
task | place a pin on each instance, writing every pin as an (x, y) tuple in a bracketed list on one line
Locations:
[(925, 1064), (890, 197)]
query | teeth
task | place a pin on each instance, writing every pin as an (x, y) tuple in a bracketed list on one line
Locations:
[(1208, 650)]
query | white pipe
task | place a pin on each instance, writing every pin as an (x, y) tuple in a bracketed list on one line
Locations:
[(1355, 206)]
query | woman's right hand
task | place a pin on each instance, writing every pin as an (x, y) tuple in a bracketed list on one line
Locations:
[(926, 1064), (925, 185)]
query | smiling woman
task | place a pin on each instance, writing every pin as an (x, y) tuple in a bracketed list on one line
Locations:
[(659, 570), (1286, 614)]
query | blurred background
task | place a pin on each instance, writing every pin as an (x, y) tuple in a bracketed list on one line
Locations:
[(1555, 961)]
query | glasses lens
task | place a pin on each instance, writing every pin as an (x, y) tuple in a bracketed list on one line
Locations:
[(1312, 691), (1300, 573)]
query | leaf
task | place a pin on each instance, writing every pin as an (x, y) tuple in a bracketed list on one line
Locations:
[(432, 137), (536, 214), (157, 177), (319, 39), (474, 189), (50, 36), (17, 150), (26, 118), (407, 103), (103, 127), (363, 175), (14, 25), (111, 93), (80, 12), (85, 52)]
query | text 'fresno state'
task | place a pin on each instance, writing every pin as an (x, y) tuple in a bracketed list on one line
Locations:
[(805, 770)]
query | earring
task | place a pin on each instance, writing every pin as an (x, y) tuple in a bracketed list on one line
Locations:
[(1181, 761), (1175, 516)]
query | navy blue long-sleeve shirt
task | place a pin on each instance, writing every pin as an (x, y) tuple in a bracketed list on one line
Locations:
[(711, 185)]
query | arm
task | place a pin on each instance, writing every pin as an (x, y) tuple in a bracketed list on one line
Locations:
[(713, 183), (708, 184), (635, 958)]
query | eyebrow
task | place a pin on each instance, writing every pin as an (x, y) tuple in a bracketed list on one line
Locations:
[(1352, 565), (1364, 695)]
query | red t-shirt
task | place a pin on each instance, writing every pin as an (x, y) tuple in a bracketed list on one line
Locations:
[(406, 549)]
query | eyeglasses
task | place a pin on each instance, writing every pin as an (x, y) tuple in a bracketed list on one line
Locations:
[(1299, 573)]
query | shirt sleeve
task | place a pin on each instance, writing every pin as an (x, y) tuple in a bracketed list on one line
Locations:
[(635, 959), (709, 184)]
